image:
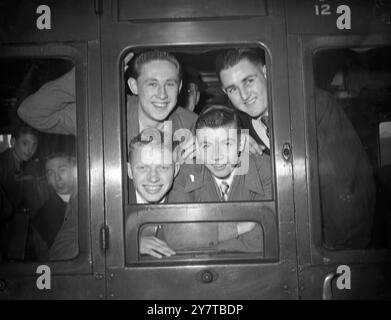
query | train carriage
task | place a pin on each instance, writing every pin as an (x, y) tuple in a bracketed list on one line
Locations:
[(307, 45)]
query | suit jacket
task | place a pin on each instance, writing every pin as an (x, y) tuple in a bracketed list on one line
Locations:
[(47, 223), (66, 243), (195, 184), (13, 190), (180, 117), (246, 123), (347, 185)]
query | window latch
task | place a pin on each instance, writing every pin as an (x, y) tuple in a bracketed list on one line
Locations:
[(104, 238)]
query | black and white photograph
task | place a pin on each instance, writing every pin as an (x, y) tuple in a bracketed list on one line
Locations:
[(195, 155)]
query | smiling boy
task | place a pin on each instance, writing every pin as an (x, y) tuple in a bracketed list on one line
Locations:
[(225, 175), (152, 171)]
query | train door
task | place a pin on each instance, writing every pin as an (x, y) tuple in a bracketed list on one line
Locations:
[(196, 31), (339, 85), (39, 44)]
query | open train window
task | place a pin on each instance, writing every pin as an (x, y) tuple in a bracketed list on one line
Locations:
[(38, 160), (174, 96), (352, 107)]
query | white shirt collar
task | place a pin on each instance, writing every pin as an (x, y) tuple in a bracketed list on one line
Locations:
[(65, 197)]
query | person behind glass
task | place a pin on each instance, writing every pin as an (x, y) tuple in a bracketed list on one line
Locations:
[(24, 143), (56, 222), (152, 171), (348, 191), (193, 86), (225, 173)]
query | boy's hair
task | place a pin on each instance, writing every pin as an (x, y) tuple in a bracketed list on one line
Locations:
[(217, 116), (149, 136), (147, 56), (232, 57), (69, 158), (22, 129)]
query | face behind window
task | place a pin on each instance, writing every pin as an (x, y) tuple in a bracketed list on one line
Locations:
[(157, 87), (246, 86), (152, 171), (61, 174)]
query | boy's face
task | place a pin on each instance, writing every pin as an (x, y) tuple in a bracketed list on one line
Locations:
[(219, 149), (152, 171), (245, 85), (61, 174), (157, 87), (25, 146)]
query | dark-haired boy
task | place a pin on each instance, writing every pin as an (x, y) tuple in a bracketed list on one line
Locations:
[(226, 174)]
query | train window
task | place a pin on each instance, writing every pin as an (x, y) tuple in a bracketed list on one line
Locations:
[(188, 138), (353, 95), (38, 166)]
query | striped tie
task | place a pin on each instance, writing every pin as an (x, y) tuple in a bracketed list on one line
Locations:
[(265, 121), (224, 190)]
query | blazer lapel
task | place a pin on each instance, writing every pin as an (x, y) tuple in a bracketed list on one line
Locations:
[(203, 187)]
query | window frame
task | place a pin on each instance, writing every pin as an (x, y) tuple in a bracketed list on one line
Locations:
[(218, 206), (76, 52)]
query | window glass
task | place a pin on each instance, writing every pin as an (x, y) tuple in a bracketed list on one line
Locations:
[(353, 96), (179, 93), (190, 121), (38, 166)]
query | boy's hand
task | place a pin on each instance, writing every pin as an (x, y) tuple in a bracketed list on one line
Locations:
[(253, 147), (155, 247), (244, 227)]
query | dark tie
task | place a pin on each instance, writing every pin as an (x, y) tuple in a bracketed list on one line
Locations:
[(265, 121), (224, 187)]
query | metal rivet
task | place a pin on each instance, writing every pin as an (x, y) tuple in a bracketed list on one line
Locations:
[(207, 276)]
